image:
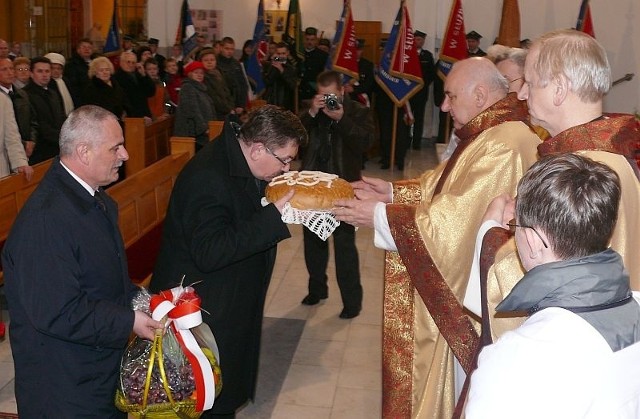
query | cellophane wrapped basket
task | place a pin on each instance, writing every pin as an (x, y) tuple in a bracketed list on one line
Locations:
[(157, 378)]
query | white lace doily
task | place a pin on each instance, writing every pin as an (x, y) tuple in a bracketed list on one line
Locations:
[(322, 223)]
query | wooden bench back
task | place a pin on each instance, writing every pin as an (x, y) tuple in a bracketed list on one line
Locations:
[(146, 144)]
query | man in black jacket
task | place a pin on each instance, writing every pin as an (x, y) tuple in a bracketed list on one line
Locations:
[(339, 131), (76, 70), (312, 65), (233, 74), (419, 100), (136, 85), (280, 79), (27, 124), (67, 282), (46, 104), (218, 235)]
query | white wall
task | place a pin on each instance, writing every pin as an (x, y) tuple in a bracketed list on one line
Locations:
[(616, 22)]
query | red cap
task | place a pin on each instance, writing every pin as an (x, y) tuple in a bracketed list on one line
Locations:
[(193, 65)]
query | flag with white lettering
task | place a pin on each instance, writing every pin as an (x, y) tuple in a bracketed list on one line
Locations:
[(259, 54), (399, 73), (454, 44), (344, 51)]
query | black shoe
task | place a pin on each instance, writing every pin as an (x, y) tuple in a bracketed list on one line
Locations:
[(401, 166), (312, 300), (384, 166), (416, 147), (349, 313)]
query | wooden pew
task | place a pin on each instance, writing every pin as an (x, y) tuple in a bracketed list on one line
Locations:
[(14, 191), (146, 144), (215, 129), (142, 198)]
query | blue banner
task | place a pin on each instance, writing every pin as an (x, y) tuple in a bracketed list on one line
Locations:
[(259, 54)]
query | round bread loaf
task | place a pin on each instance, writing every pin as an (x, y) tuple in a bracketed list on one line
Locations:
[(314, 191)]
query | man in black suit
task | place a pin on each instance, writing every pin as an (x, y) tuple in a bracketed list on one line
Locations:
[(221, 238), (136, 84), (340, 130), (419, 100), (362, 90), (76, 70), (312, 65), (67, 282), (47, 108), (473, 44), (153, 46)]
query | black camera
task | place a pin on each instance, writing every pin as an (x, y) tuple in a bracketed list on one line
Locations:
[(278, 59), (332, 102)]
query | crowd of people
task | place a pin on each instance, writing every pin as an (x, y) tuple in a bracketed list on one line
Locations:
[(525, 121)]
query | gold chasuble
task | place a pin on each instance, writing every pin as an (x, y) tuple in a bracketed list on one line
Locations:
[(610, 140), (434, 221)]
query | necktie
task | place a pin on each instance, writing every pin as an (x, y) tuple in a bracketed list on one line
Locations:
[(12, 94), (100, 201)]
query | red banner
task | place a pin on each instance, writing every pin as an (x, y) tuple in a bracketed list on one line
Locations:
[(345, 58), (454, 44), (585, 24)]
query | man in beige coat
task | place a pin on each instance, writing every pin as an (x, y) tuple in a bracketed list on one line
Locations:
[(12, 155)]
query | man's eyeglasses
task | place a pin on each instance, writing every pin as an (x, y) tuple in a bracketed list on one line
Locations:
[(515, 80), (512, 227), (280, 159)]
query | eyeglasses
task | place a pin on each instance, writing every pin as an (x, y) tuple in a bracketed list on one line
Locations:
[(512, 227), (515, 80), (280, 159), (22, 69)]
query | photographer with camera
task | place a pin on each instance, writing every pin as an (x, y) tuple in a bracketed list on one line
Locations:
[(339, 129), (280, 78)]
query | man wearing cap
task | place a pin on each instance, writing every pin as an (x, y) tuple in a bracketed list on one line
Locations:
[(362, 89), (313, 64), (419, 100), (473, 44), (127, 43), (153, 46), (76, 70), (57, 68)]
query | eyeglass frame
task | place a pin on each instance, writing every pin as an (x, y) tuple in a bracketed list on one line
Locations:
[(515, 80), (280, 159), (514, 225)]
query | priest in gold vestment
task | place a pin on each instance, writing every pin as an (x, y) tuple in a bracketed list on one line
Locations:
[(567, 73), (429, 225)]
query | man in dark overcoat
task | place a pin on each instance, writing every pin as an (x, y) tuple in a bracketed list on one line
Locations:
[(67, 282), (219, 236)]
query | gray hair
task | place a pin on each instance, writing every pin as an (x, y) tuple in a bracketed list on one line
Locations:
[(99, 60), (83, 125), (576, 56)]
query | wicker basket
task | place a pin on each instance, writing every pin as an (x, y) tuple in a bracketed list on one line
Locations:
[(184, 409)]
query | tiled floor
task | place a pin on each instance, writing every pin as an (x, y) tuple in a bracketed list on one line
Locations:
[(336, 369)]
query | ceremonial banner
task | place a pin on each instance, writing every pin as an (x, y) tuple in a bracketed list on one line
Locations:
[(509, 34), (399, 73), (344, 50), (585, 24), (454, 44), (293, 30), (260, 50), (112, 45), (186, 33)]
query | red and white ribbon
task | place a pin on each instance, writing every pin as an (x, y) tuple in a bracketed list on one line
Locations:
[(183, 315)]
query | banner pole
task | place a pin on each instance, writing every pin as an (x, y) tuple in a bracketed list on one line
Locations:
[(392, 157)]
